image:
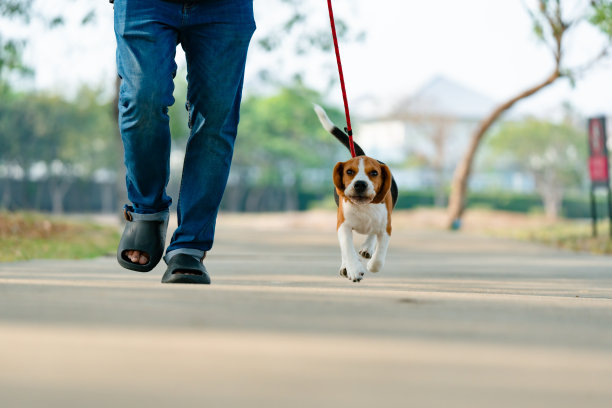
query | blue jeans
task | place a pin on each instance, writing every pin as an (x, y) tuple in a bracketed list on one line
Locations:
[(215, 36)]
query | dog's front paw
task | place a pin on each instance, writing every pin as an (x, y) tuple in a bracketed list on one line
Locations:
[(355, 273), (375, 265), (343, 272), (366, 253), (367, 250)]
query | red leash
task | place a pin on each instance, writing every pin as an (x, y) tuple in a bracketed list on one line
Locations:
[(348, 129)]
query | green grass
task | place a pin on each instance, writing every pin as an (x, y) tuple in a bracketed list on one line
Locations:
[(35, 236), (575, 236)]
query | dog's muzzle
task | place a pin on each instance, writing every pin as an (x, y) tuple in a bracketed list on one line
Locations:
[(360, 187), (359, 193)]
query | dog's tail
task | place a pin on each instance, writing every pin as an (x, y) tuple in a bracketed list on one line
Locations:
[(334, 130)]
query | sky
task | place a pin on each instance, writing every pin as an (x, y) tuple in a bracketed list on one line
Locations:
[(485, 45)]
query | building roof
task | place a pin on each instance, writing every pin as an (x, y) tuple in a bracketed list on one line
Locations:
[(441, 97)]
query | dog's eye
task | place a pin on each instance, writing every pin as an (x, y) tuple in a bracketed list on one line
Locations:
[(350, 172), (373, 173)]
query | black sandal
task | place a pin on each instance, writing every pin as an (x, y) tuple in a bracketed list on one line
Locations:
[(184, 262), (145, 233)]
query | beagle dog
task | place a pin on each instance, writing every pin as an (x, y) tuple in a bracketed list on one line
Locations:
[(366, 194)]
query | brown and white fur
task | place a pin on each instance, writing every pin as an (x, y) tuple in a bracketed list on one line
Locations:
[(366, 194)]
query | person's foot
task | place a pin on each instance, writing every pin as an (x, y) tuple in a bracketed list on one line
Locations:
[(184, 268), (187, 272), (191, 271), (137, 257), (142, 258), (142, 244)]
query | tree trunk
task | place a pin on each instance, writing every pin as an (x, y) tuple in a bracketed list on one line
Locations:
[(552, 204), (551, 192), (292, 200), (108, 202), (234, 195), (253, 199), (439, 140), (59, 188), (456, 203), (5, 202), (57, 202)]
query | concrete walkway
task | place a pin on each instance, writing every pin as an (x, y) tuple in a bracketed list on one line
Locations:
[(453, 321)]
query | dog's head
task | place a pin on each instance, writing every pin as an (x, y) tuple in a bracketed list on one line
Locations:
[(362, 180)]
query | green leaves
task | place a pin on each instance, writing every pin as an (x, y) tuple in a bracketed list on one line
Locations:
[(10, 56), (280, 136), (11, 48), (16, 9), (56, 22), (303, 31), (39, 128), (540, 147), (552, 22), (90, 17), (602, 16)]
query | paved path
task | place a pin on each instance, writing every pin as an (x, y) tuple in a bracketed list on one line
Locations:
[(453, 321)]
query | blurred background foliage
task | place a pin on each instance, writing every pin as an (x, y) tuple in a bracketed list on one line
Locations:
[(554, 154), (63, 154)]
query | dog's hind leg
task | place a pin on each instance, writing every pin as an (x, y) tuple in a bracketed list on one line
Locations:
[(368, 247)]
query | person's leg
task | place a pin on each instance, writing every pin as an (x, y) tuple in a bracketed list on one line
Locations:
[(147, 34), (215, 41)]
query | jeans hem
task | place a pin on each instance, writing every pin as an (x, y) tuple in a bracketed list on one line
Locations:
[(157, 216), (196, 253)]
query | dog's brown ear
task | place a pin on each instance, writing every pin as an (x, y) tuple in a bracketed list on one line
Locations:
[(385, 174), (338, 175)]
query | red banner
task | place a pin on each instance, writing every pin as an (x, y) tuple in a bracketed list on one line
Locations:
[(598, 152)]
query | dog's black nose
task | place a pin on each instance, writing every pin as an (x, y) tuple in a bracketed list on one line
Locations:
[(360, 186)]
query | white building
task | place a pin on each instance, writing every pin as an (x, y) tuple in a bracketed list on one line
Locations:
[(426, 135)]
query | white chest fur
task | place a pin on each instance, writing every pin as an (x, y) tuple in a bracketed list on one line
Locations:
[(365, 218)]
